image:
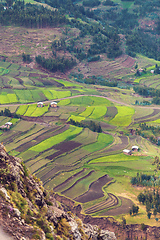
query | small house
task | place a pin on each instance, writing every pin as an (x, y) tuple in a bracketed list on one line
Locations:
[(135, 148), (140, 70), (127, 151), (8, 125), (53, 104), (40, 104)]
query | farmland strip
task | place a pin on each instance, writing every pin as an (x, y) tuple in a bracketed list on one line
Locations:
[(78, 181), (68, 180), (95, 190), (155, 112)]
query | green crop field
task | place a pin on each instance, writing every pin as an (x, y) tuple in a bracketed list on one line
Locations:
[(64, 102), (50, 142), (74, 157), (87, 112), (76, 118), (103, 141), (119, 158), (98, 112), (124, 116), (30, 110), (39, 111), (22, 109), (89, 100), (60, 94)]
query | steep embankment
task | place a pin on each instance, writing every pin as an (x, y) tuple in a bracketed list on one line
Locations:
[(27, 211)]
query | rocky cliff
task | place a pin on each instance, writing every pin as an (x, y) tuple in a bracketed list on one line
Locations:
[(28, 211)]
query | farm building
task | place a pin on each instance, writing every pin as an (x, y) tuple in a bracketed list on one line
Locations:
[(53, 104), (127, 151), (152, 71), (8, 124), (40, 104), (140, 70), (135, 148)]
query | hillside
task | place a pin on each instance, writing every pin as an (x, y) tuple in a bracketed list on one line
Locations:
[(94, 68), (27, 211)]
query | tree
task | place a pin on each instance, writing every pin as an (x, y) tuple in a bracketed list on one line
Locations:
[(155, 212), (149, 215), (141, 198)]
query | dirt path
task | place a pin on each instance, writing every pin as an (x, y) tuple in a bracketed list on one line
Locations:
[(81, 95)]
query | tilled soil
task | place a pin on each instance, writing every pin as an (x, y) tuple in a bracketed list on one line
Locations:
[(95, 190)]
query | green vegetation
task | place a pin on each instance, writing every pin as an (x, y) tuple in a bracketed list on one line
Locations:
[(103, 140), (124, 116), (119, 158), (70, 133), (98, 112), (22, 109), (39, 111)]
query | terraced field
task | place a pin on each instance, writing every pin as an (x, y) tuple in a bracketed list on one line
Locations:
[(85, 166)]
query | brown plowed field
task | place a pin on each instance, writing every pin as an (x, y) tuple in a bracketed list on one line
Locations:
[(141, 119), (118, 147), (38, 75), (129, 62), (107, 126), (68, 180), (123, 209), (95, 190), (111, 201), (63, 148), (49, 133), (12, 137), (51, 172), (78, 182), (111, 112)]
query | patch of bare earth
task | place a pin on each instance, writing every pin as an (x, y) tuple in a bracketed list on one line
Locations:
[(63, 148), (95, 190), (123, 209), (111, 201)]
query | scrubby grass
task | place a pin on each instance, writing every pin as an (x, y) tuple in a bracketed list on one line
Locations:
[(98, 112), (103, 141), (39, 111), (50, 142), (22, 109), (124, 116), (119, 158)]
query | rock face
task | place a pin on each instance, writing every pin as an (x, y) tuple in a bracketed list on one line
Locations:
[(27, 211)]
